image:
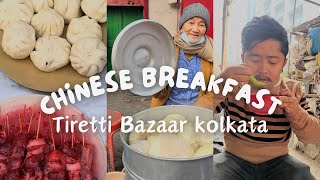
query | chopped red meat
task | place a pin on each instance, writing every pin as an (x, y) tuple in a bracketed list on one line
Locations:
[(74, 152), (6, 149), (2, 158), (23, 157), (85, 173), (87, 155), (55, 164), (13, 163), (48, 147), (74, 175), (35, 146), (33, 174), (61, 175), (3, 169), (20, 141), (3, 136), (33, 161), (13, 175)]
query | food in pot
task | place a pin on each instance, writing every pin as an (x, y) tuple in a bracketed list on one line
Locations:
[(205, 138), (18, 40), (137, 136), (169, 146), (170, 119), (204, 150), (189, 135), (173, 117), (186, 143), (51, 53), (141, 146)]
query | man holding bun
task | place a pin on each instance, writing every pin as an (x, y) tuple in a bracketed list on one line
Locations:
[(264, 155)]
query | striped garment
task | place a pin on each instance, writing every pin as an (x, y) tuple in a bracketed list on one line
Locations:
[(261, 147)]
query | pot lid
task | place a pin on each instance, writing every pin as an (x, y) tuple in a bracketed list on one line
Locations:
[(143, 43)]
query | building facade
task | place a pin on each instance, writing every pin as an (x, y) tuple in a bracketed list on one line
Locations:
[(281, 10)]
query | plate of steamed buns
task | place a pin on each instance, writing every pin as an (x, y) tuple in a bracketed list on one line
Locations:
[(47, 43)]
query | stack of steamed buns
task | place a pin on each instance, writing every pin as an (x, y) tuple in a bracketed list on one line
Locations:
[(183, 144), (34, 28)]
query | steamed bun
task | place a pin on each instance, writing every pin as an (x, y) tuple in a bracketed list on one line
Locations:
[(169, 145), (82, 28), (174, 117), (205, 138), (47, 23), (68, 9), (205, 150), (88, 56), (18, 40), (141, 146), (95, 9), (41, 4), (137, 136), (15, 10), (51, 53), (189, 135)]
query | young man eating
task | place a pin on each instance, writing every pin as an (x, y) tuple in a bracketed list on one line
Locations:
[(265, 155)]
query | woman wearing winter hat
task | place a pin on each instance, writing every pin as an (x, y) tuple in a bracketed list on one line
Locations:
[(195, 53)]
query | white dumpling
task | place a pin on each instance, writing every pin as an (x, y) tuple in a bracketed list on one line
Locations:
[(169, 145), (47, 23), (82, 28), (205, 138), (51, 53), (205, 150), (173, 118), (41, 4), (15, 10), (95, 9), (68, 9), (142, 146), (137, 136), (189, 135), (18, 40), (88, 56)]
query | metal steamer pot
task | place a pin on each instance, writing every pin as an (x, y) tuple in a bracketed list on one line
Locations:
[(140, 166)]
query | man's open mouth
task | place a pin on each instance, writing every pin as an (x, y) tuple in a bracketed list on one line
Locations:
[(262, 79)]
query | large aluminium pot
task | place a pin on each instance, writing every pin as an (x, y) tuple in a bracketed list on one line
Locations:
[(140, 166)]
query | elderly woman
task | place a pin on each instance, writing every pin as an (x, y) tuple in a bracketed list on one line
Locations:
[(195, 53)]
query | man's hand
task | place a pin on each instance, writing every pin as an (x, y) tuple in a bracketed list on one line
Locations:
[(290, 103), (240, 73)]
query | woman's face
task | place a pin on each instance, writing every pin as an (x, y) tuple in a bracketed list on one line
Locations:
[(195, 28)]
